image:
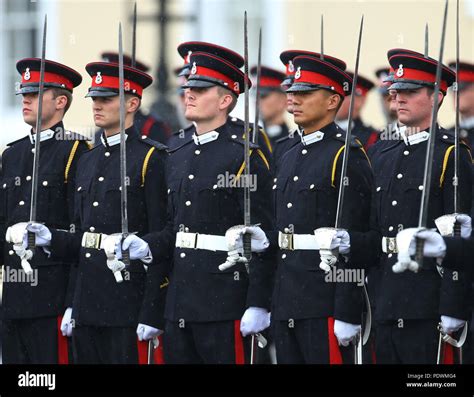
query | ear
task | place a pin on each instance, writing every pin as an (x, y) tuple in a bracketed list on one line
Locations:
[(225, 101), (333, 101), (133, 103), (61, 102)]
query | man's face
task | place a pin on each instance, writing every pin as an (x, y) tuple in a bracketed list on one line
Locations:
[(272, 105), (30, 108), (309, 107), (466, 101), (202, 104), (413, 106), (106, 112)]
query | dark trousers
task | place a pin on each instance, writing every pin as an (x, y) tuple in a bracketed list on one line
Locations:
[(407, 342), (34, 341), (309, 341), (104, 345), (205, 343)]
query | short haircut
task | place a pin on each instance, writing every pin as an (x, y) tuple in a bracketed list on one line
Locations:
[(63, 92), (224, 91)]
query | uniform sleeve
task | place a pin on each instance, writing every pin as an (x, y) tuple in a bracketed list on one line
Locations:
[(3, 212), (348, 305), (262, 266), (152, 309), (455, 286), (459, 254)]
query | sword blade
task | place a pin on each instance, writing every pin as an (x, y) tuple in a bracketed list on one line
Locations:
[(134, 35), (36, 155), (321, 56), (456, 123), (246, 237), (342, 182), (423, 219), (257, 90), (123, 159)]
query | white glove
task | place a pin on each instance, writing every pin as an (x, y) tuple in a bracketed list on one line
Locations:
[(406, 244), (254, 320), (67, 323), (17, 234), (345, 241), (451, 324), (146, 332), (346, 332), (259, 240), (328, 259), (138, 248), (111, 246), (434, 246), (466, 225)]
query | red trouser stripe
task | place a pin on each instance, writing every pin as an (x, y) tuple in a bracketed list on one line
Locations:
[(142, 347), (238, 344), (335, 356), (448, 354), (63, 355)]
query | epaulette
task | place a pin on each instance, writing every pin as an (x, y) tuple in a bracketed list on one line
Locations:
[(151, 142), (18, 140), (354, 141), (186, 142)]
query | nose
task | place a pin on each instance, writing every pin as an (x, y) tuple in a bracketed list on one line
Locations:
[(26, 99)]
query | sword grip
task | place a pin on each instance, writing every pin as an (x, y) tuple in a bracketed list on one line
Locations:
[(420, 244), (31, 240), (126, 257), (247, 243), (457, 229)]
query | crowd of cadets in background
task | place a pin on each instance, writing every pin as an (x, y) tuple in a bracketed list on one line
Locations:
[(187, 295)]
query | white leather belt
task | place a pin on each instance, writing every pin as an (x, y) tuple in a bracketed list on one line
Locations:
[(93, 240), (389, 245), (291, 242), (208, 242)]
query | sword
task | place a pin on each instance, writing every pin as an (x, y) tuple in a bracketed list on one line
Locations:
[(423, 218), (36, 155), (246, 237), (134, 35), (123, 161), (427, 38), (257, 89), (321, 54), (152, 345)]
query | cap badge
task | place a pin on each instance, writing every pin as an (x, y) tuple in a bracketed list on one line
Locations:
[(188, 57), (98, 78), (291, 67), (27, 75), (298, 73), (194, 68), (400, 71)]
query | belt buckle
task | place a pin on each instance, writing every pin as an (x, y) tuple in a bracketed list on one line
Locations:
[(189, 240), (391, 245), (286, 241), (92, 240)]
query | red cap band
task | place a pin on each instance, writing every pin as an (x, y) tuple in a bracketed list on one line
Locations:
[(466, 76), (113, 82), (316, 78), (203, 71), (415, 74), (34, 77), (269, 82)]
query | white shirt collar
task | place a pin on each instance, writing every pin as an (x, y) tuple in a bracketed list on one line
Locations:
[(467, 123), (205, 138), (343, 124), (273, 130), (44, 136), (312, 137), (413, 139), (111, 140)]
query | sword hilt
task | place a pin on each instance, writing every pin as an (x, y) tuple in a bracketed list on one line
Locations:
[(457, 229), (420, 244), (247, 243), (31, 240), (126, 257)]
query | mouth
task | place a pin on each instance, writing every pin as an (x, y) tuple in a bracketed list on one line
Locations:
[(26, 110), (98, 116)]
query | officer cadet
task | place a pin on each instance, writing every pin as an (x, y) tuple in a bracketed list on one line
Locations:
[(365, 133), (210, 312), (147, 124), (185, 50), (109, 315), (408, 305), (284, 144), (310, 312), (466, 107), (33, 306)]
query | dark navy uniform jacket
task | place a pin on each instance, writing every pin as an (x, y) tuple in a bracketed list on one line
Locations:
[(305, 194), (282, 145), (399, 169), (98, 299), (55, 203), (202, 199)]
